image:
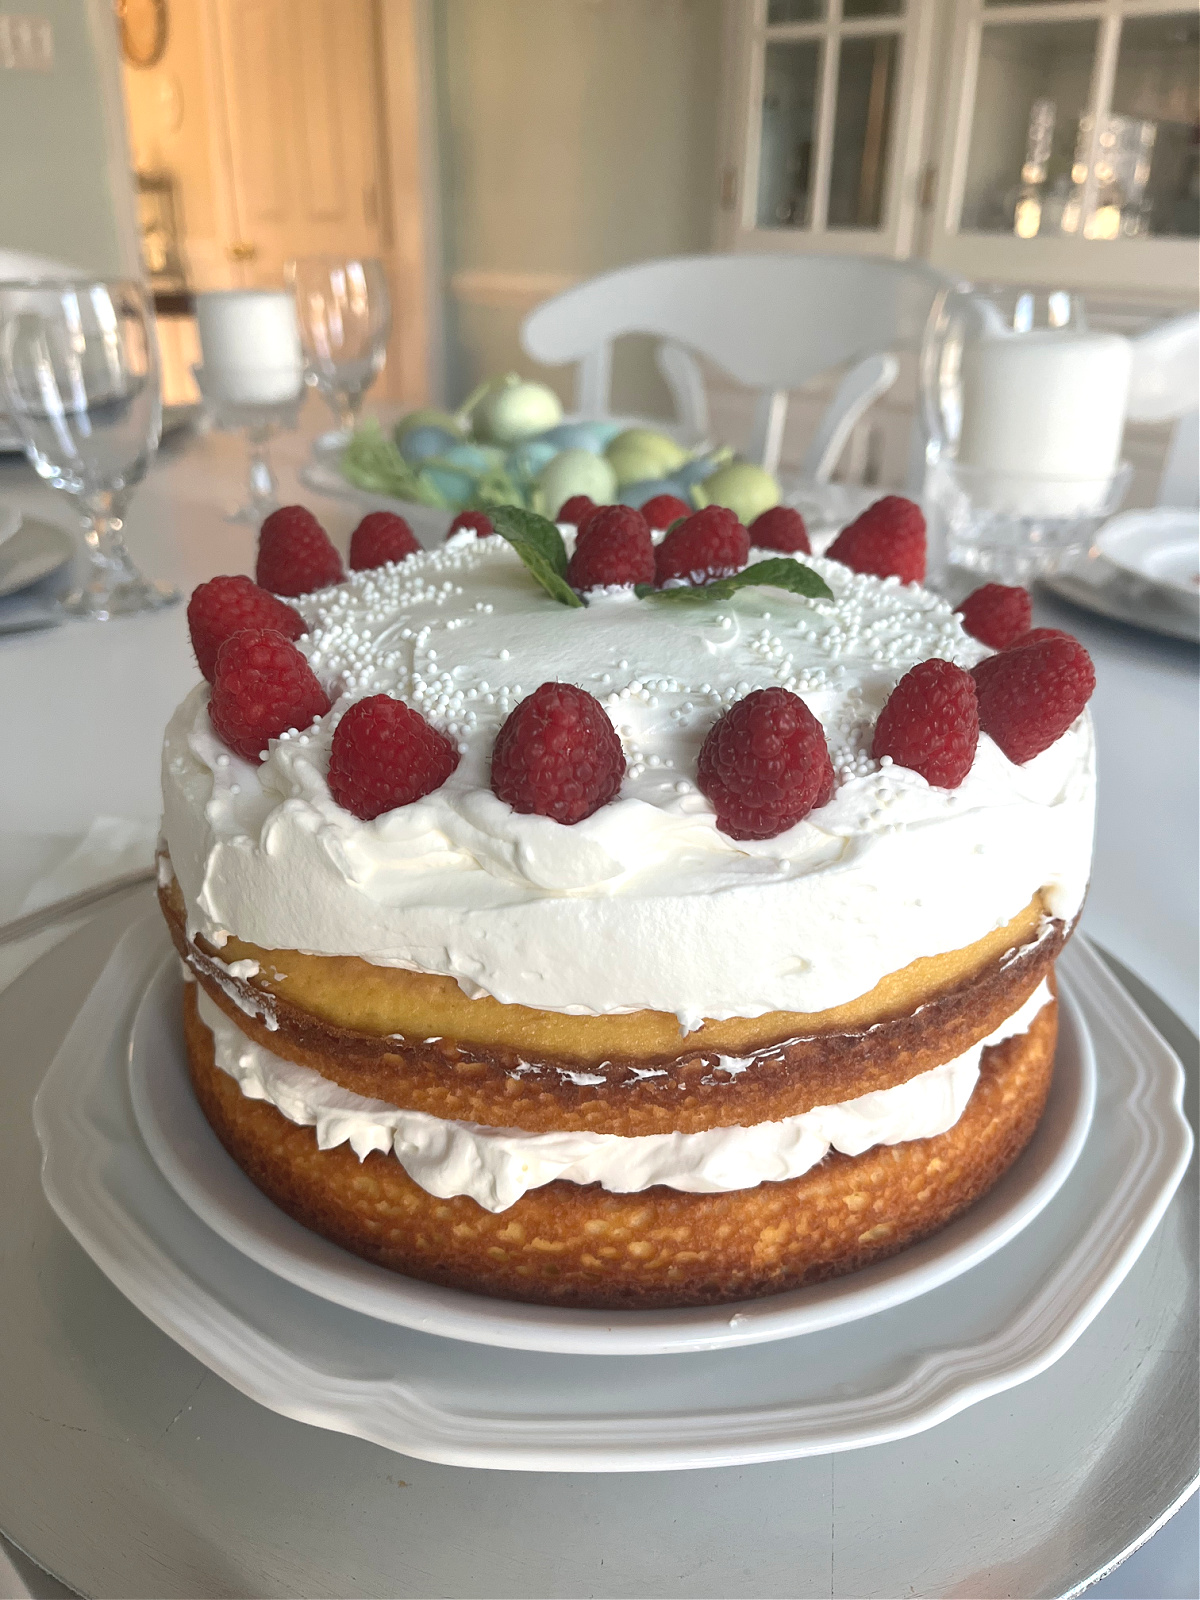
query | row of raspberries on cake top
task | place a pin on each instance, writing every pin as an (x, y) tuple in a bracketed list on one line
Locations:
[(764, 765), (614, 544)]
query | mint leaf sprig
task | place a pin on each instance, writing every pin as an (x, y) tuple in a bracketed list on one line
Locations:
[(539, 544), (780, 572)]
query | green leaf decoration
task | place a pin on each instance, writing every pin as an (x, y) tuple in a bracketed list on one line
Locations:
[(539, 545), (781, 572)]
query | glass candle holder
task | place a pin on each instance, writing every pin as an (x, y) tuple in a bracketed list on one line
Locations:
[(1024, 409)]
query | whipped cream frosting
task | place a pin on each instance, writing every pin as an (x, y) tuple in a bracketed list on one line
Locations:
[(496, 1166), (645, 904)]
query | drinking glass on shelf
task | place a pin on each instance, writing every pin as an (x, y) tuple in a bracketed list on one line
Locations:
[(345, 318), (79, 371), (252, 379)]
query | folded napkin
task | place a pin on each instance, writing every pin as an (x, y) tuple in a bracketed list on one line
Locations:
[(111, 846)]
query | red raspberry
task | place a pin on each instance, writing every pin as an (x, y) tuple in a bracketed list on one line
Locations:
[(381, 537), (887, 540), (613, 546), (996, 614), (1033, 695), (930, 723), (575, 509), (262, 686), (781, 528), (386, 755), (1035, 636), (982, 672), (224, 606), (711, 544), (765, 765), (294, 553), (558, 755), (661, 510), (479, 520)]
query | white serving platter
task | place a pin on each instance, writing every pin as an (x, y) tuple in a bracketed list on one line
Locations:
[(1161, 546), (206, 1178), (879, 1379)]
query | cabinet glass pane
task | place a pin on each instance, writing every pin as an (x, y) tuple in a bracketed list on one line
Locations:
[(795, 11), (1154, 165), (862, 130), (1031, 93), (872, 8), (791, 85)]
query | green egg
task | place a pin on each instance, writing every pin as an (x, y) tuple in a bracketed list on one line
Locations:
[(742, 487), (575, 472)]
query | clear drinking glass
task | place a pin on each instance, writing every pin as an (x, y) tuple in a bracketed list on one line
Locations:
[(79, 366), (345, 317)]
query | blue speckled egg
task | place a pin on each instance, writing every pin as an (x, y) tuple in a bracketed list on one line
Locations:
[(695, 472), (636, 494), (419, 444), (528, 459)]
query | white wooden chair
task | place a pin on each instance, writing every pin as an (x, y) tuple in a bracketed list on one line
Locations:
[(1165, 387), (773, 322)]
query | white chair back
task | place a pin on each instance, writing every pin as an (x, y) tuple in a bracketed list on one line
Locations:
[(773, 322)]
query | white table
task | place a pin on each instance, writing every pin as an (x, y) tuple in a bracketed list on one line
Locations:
[(85, 705)]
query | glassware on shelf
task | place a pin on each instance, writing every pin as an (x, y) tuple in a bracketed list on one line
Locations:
[(1024, 411), (80, 374), (252, 379), (345, 317)]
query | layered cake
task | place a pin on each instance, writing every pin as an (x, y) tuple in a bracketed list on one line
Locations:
[(657, 950)]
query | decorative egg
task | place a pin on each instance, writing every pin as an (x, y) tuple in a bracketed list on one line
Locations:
[(636, 494), (528, 459), (455, 488), (744, 488), (419, 444), (696, 471), (593, 436), (427, 417), (575, 472), (638, 454), (474, 458), (514, 409)]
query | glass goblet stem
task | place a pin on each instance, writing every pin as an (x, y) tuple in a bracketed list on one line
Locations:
[(112, 585)]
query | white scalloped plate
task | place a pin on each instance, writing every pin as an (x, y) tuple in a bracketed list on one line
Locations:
[(877, 1379), (197, 1167)]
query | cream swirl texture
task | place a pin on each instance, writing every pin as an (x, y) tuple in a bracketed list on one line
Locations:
[(645, 904), (496, 1166)]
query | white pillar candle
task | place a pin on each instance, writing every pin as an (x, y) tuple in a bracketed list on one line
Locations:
[(1042, 417), (250, 343)]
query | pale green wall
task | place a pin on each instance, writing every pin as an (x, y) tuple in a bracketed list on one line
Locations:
[(64, 180), (575, 136)]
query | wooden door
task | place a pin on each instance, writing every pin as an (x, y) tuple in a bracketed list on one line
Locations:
[(302, 115)]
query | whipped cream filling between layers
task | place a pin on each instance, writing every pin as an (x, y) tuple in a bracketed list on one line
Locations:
[(645, 904), (496, 1166)]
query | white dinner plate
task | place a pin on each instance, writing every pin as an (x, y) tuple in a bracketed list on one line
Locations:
[(880, 1378), (196, 1165), (1161, 546), (35, 551)]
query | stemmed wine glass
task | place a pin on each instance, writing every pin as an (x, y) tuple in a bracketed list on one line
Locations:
[(79, 367), (345, 318)]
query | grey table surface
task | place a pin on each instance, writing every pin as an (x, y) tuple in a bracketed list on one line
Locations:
[(131, 1470)]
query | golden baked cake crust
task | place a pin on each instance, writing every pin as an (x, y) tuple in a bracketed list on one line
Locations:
[(569, 1245), (814, 1066)]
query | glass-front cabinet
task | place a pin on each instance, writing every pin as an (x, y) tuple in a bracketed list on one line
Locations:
[(825, 140), (1031, 140)]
